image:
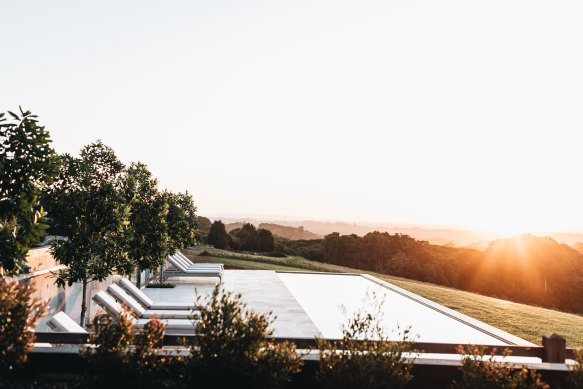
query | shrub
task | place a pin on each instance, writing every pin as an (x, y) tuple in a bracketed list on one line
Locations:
[(365, 357), (161, 285), (113, 363), (576, 371), (480, 371), (18, 316), (233, 349)]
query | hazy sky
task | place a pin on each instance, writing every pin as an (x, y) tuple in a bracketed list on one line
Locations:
[(437, 112)]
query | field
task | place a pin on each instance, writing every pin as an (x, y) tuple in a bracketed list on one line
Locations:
[(525, 321)]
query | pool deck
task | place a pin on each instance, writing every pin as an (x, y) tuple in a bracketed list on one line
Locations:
[(296, 307), (261, 290)]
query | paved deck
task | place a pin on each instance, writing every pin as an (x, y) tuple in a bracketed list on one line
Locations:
[(261, 290)]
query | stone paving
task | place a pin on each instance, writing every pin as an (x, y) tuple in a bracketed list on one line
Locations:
[(261, 290)]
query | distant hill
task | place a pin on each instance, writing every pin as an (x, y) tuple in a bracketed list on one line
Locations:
[(565, 237), (578, 246), (292, 233), (442, 236), (457, 237), (233, 226)]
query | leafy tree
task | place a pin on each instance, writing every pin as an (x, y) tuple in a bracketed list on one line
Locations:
[(247, 237), (27, 165), (181, 220), (204, 224), (146, 234), (218, 235), (265, 241), (87, 209)]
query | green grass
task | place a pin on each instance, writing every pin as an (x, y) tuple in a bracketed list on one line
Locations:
[(525, 321)]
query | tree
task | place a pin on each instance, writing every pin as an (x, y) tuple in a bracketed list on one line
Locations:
[(218, 235), (27, 165), (147, 239), (265, 240), (204, 224), (181, 220), (247, 237), (87, 208)]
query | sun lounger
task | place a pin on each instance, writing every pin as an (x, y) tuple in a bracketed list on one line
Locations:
[(111, 306), (61, 322), (139, 311), (180, 270), (187, 262), (147, 302)]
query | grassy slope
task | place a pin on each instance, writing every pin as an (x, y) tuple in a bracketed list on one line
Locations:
[(525, 321)]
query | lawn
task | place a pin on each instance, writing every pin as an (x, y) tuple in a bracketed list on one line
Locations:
[(525, 321)]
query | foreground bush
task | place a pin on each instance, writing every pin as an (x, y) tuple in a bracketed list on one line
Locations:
[(18, 316), (480, 371), (233, 349), (576, 371), (358, 362), (124, 356)]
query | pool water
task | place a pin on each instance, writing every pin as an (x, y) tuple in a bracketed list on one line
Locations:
[(331, 299)]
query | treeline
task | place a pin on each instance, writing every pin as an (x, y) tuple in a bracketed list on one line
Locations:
[(245, 238), (525, 269)]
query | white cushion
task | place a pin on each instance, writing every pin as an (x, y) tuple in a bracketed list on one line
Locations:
[(120, 295), (135, 292), (108, 303), (61, 322)]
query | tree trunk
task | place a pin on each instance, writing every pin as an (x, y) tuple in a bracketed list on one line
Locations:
[(138, 277), (161, 277), (83, 303)]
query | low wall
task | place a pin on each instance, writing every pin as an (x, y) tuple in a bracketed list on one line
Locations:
[(67, 299)]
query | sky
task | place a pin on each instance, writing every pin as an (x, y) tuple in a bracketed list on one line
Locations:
[(458, 113)]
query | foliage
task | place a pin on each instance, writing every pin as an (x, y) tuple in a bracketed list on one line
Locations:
[(265, 241), (163, 285), (113, 363), (86, 207), (27, 165), (147, 240), (218, 235), (246, 237), (18, 316), (576, 371), (233, 350), (480, 371), (181, 220), (365, 357), (204, 224)]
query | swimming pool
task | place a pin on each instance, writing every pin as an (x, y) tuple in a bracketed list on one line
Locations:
[(331, 299)]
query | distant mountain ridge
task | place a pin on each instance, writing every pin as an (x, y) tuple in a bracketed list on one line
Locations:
[(292, 233), (287, 232), (441, 236)]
